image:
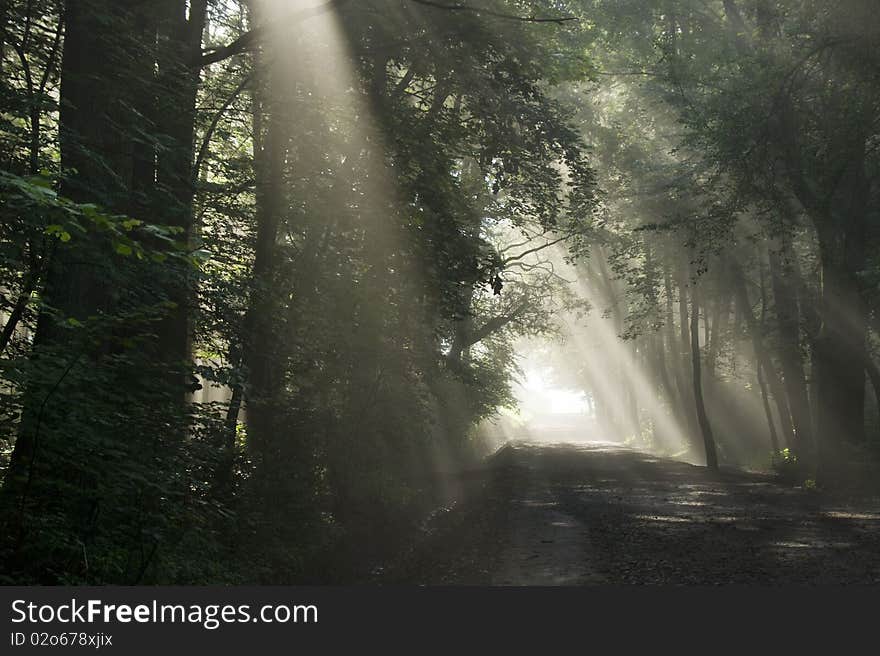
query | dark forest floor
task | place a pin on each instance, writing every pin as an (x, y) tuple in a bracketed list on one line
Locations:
[(596, 513)]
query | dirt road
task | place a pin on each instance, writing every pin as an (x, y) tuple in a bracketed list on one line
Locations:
[(597, 513)]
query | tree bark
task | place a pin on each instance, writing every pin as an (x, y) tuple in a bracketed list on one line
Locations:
[(720, 322), (768, 413), (180, 39), (763, 361), (841, 344), (702, 417), (678, 402), (260, 340), (683, 361), (94, 134), (790, 357)]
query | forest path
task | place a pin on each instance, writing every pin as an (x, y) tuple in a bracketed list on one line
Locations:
[(574, 514)]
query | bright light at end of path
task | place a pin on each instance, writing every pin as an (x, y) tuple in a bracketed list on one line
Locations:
[(538, 396)]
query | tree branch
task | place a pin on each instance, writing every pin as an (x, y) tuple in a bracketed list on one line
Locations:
[(536, 249), (250, 39), (495, 324), (209, 133), (495, 14)]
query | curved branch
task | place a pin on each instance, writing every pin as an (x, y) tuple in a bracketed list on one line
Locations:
[(514, 258), (209, 133), (495, 324)]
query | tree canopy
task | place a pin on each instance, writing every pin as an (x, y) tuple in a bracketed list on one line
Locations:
[(266, 266)]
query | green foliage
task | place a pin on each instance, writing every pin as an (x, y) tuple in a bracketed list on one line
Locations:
[(92, 507), (786, 465), (253, 348), (335, 259)]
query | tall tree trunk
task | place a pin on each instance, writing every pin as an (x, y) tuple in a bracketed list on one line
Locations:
[(763, 362), (702, 417), (180, 42), (678, 402), (632, 400), (684, 352), (790, 358), (840, 357), (840, 213), (720, 322), (260, 334), (662, 370), (765, 403), (94, 133)]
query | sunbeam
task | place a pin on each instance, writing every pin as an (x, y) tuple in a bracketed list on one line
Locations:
[(506, 292)]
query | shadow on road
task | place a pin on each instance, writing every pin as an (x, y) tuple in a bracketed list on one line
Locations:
[(568, 514)]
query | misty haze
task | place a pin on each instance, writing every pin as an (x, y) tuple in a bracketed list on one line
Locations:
[(498, 292)]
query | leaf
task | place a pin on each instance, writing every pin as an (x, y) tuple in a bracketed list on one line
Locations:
[(58, 231), (43, 180)]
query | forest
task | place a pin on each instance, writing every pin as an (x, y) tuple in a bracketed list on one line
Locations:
[(275, 274)]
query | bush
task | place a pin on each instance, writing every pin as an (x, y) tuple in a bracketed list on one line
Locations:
[(785, 464)]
